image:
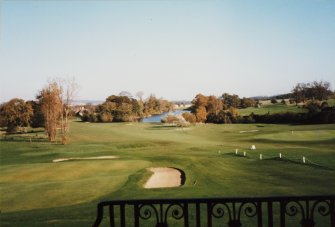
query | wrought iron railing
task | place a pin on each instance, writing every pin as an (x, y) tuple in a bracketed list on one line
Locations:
[(305, 211)]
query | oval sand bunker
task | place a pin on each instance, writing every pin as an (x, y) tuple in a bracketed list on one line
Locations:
[(165, 177)]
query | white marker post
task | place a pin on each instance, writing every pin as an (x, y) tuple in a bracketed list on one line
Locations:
[(280, 155), (260, 157), (236, 151), (303, 159), (244, 154)]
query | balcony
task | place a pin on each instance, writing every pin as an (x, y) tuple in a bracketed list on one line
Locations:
[(305, 211)]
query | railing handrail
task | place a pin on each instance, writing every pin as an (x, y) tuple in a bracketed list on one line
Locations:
[(231, 199)]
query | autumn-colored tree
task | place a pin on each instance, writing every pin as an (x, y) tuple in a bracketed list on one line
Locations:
[(199, 104), (151, 106), (201, 114), (119, 109), (211, 109), (189, 117), (15, 114), (165, 106), (232, 113), (140, 106), (214, 105), (56, 100), (199, 100), (51, 106), (154, 105)]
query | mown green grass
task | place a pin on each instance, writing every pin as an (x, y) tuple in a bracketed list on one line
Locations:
[(267, 107), (272, 109), (37, 192)]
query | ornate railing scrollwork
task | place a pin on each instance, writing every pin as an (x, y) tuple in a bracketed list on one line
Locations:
[(250, 209), (291, 208), (218, 210), (323, 208), (146, 210), (306, 210), (177, 211), (161, 212)]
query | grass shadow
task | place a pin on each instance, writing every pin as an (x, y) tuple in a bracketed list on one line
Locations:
[(34, 135), (22, 139), (235, 155), (298, 163), (162, 127)]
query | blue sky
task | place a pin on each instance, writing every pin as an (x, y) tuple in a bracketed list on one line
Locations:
[(174, 49)]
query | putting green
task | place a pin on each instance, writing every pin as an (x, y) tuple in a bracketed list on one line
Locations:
[(310, 135)]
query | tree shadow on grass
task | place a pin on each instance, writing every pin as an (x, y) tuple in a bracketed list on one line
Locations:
[(298, 163), (284, 160), (19, 137), (162, 127), (239, 155), (39, 140)]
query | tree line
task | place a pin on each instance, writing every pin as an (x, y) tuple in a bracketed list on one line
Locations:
[(316, 90), (121, 108), (53, 105), (51, 110), (223, 109)]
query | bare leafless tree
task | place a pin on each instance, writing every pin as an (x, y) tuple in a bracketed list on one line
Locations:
[(69, 91)]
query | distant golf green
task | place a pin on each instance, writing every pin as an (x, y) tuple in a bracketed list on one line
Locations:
[(272, 109), (35, 191)]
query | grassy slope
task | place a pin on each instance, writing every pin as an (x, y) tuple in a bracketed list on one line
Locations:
[(37, 192), (271, 108), (267, 107)]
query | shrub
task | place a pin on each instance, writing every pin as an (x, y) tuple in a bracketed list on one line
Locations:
[(176, 120), (273, 100), (189, 117), (105, 117)]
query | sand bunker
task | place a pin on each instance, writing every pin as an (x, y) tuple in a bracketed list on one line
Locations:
[(165, 177), (249, 131), (86, 158)]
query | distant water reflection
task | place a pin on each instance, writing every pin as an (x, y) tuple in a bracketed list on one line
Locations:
[(157, 118)]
